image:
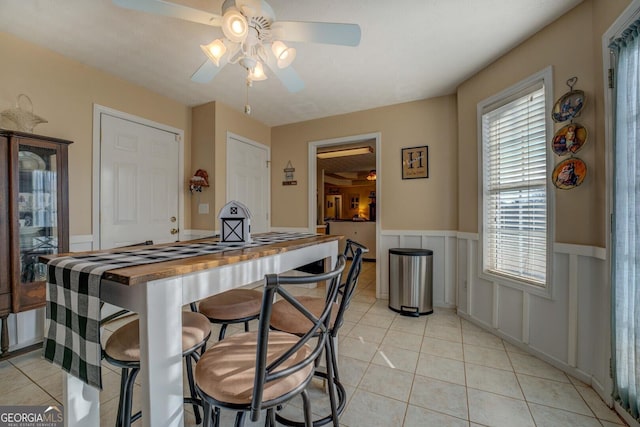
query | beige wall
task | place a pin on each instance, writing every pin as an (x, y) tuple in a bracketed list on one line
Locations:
[(203, 157), (211, 122), (572, 46), (404, 204), (63, 92)]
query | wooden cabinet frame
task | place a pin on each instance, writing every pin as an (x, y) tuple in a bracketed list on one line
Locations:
[(17, 296)]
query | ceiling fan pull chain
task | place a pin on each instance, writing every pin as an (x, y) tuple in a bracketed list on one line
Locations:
[(247, 107)]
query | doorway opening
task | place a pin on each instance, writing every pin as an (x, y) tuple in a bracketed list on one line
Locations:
[(344, 190)]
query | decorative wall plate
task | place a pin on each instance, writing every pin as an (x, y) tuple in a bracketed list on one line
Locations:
[(569, 173), (569, 139), (568, 106)]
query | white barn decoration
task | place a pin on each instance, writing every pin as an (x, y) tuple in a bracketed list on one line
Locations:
[(235, 223)]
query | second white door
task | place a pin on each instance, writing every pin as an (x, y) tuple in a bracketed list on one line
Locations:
[(248, 179)]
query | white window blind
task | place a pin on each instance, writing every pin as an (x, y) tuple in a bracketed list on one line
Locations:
[(515, 191)]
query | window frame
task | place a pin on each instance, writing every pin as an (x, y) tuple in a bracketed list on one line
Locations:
[(491, 103)]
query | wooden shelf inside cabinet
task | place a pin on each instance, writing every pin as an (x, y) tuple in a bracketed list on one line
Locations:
[(34, 217)]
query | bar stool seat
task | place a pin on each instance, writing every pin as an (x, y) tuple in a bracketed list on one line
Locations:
[(122, 349), (235, 386), (286, 317), (233, 306)]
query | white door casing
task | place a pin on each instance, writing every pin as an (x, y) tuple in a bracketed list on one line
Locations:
[(137, 166), (248, 179), (312, 199)]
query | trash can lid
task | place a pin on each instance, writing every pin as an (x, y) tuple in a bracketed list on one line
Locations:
[(410, 251)]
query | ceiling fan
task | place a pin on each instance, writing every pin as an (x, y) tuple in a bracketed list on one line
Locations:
[(252, 37)]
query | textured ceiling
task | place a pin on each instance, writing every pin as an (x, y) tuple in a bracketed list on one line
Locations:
[(410, 49), (362, 163)]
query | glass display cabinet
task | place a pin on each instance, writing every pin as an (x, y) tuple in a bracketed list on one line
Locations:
[(34, 184)]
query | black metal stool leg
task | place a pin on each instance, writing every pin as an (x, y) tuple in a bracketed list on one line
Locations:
[(330, 382), (206, 407), (192, 388), (128, 397), (223, 329), (123, 386), (306, 402), (239, 419)]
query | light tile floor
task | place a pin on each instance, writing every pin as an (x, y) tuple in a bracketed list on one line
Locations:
[(436, 370)]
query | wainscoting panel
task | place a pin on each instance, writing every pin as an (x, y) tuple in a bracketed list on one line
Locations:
[(444, 247), (481, 302), (510, 311), (570, 328), (462, 279)]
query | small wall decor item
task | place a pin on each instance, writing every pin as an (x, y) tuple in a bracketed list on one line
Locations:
[(288, 175), (235, 223), (569, 139), (21, 118), (354, 201), (198, 180), (569, 173), (569, 105), (415, 162)]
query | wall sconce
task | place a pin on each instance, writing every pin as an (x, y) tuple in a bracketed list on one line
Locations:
[(372, 176), (198, 180)]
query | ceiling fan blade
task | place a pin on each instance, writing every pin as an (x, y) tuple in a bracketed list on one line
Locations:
[(207, 71), (288, 76), (172, 10), (317, 32)]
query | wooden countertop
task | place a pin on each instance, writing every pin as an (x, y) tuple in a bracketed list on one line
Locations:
[(162, 270)]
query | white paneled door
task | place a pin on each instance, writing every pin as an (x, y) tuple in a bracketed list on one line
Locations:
[(139, 183), (248, 179)]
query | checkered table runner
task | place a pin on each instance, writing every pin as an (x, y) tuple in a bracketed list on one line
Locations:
[(72, 321)]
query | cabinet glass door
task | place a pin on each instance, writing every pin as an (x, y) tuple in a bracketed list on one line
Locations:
[(37, 207)]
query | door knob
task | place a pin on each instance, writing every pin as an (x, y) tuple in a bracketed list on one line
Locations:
[(172, 219), (174, 231)]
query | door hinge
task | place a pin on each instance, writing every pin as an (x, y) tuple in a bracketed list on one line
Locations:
[(610, 368), (610, 78), (611, 223), (267, 162), (178, 138)]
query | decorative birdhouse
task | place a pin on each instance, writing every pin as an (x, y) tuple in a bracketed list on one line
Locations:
[(235, 223)]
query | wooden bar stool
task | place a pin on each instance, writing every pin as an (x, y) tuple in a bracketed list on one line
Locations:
[(287, 318), (255, 371), (234, 306), (122, 349)]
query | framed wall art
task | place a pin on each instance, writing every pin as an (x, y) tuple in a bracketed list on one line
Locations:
[(415, 162)]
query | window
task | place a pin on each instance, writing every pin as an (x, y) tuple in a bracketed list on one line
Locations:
[(514, 201)]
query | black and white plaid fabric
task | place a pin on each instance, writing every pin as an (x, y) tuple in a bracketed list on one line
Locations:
[(72, 321)]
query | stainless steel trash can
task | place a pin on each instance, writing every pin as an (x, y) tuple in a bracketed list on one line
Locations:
[(411, 281)]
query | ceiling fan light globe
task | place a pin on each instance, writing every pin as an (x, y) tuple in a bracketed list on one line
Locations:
[(234, 25), (284, 55), (257, 74), (214, 50)]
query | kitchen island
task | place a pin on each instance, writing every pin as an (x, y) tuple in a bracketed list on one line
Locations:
[(363, 232)]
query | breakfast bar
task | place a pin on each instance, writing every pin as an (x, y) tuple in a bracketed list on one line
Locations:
[(158, 292)]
